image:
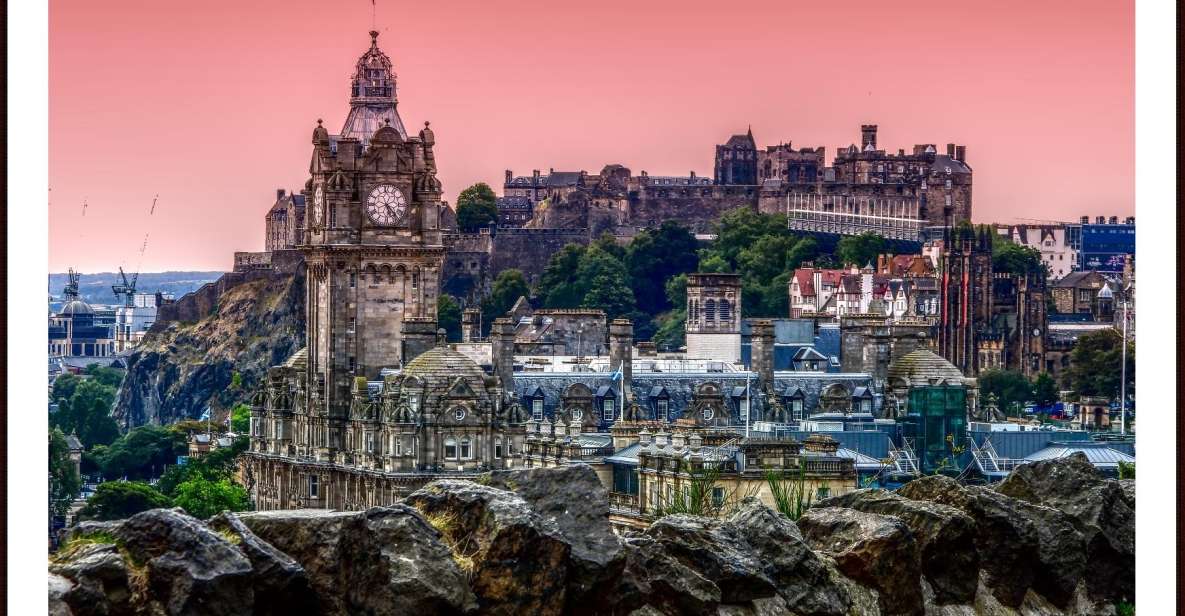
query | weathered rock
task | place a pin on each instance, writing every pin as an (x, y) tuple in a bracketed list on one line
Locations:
[(516, 560), (945, 537), (188, 568), (280, 583), (59, 587), (97, 576), (1006, 541), (1129, 491), (381, 561), (575, 501), (1099, 508), (802, 578), (875, 550), (1021, 545), (691, 565)]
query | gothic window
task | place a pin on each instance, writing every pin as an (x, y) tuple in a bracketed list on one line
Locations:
[(313, 487), (450, 448), (725, 311), (710, 311), (466, 450)]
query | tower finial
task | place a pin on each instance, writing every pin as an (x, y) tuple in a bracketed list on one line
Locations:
[(374, 38)]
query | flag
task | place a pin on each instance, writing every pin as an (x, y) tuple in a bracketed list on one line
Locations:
[(205, 414), (616, 376)]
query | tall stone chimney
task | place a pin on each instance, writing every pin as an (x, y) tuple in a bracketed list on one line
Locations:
[(419, 335), (867, 136), (471, 325), (279, 194), (502, 352), (762, 355), (621, 344), (509, 176)]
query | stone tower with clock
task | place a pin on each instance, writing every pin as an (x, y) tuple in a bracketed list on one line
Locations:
[(373, 252)]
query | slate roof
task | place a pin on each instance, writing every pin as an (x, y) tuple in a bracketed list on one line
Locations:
[(1099, 454), (563, 178), (942, 161)]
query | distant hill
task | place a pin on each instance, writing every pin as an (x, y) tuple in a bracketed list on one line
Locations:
[(96, 288)]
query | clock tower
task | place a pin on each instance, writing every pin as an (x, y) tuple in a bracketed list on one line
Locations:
[(374, 249)]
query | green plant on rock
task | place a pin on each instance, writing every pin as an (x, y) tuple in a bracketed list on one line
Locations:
[(789, 492)]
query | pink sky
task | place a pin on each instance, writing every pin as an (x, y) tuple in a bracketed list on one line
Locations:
[(211, 104)]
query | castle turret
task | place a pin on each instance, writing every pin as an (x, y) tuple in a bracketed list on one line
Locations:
[(868, 137)]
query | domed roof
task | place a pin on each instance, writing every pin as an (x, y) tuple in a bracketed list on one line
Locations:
[(76, 306), (442, 363), (921, 368)]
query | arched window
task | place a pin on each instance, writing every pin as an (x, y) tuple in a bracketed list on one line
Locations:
[(710, 310), (450, 448), (725, 311)]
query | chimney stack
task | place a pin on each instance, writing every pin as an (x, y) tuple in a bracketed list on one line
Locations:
[(502, 352), (762, 352), (621, 343), (470, 325), (961, 153), (1085, 220), (509, 176), (950, 150), (279, 194)]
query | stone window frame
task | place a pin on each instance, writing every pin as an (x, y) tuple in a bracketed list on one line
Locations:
[(537, 409), (465, 447), (450, 441), (314, 487), (609, 408)]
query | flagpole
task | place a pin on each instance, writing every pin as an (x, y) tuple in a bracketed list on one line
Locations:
[(748, 404), (1123, 377)]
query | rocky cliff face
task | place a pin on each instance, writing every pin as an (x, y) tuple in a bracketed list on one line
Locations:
[(184, 367), (539, 542)]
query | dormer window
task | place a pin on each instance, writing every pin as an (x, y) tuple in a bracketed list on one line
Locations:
[(609, 406), (537, 409), (661, 409)]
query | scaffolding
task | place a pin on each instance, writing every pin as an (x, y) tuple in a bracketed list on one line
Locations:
[(891, 218), (903, 460), (988, 460)]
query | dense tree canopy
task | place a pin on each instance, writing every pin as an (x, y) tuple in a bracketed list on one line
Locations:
[(1009, 389), (448, 317), (86, 411), (507, 288), (477, 207), (1045, 392), (115, 500), (141, 453), (64, 482), (1096, 363), (860, 250), (1016, 259), (240, 419), (202, 498), (653, 257)]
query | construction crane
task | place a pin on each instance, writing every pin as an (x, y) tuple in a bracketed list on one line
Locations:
[(70, 291), (126, 288)]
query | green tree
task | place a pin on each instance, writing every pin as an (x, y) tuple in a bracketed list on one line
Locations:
[(116, 500), (557, 285), (507, 288), (64, 386), (64, 482), (711, 263), (142, 452), (1016, 259), (217, 465), (653, 257), (606, 283), (448, 316), (860, 250), (202, 498), (737, 229), (1009, 388), (236, 381), (477, 207), (1096, 362), (240, 419), (111, 377), (1045, 391), (87, 413)]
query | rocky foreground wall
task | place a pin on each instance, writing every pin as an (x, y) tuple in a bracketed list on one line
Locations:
[(1055, 538)]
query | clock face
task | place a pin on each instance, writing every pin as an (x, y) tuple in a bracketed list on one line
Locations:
[(318, 206), (577, 414), (386, 205)]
